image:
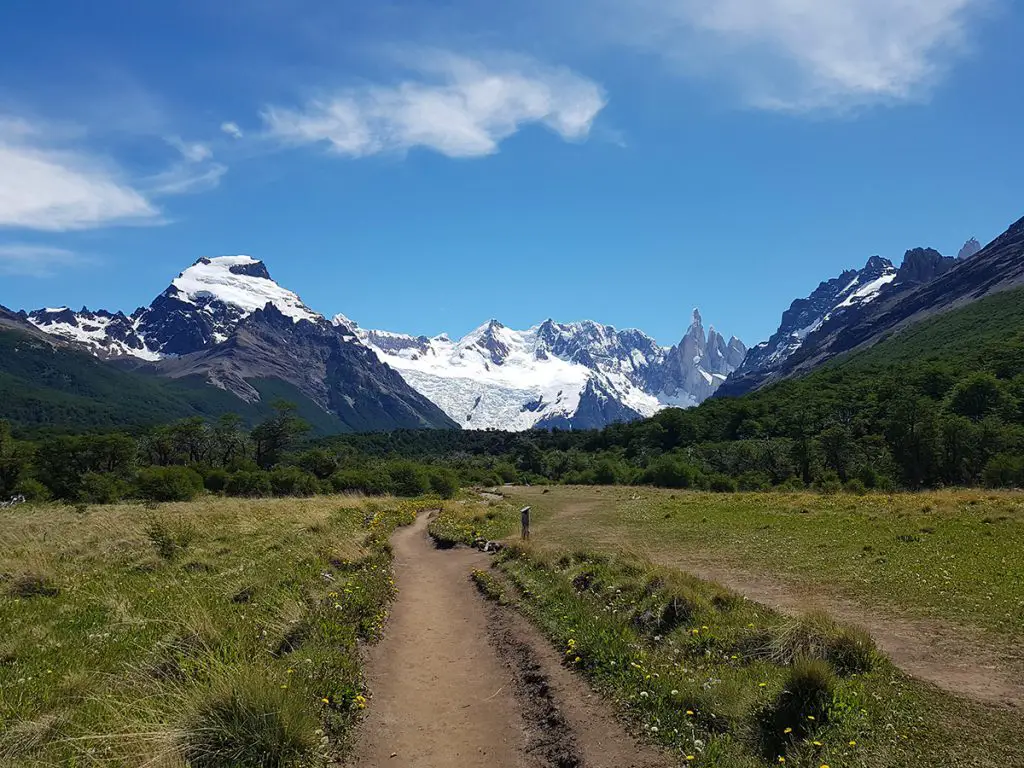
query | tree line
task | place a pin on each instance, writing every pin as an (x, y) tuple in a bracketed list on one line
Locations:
[(179, 461)]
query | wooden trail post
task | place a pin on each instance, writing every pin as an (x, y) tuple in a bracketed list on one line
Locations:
[(524, 515)]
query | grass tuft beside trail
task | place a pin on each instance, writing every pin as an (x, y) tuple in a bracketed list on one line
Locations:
[(219, 632)]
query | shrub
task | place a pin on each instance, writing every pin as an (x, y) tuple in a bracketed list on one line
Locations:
[(669, 472), (408, 479), (32, 490), (102, 488), (828, 483), (169, 483), (292, 481), (444, 483), (754, 481), (1004, 471), (856, 487), (168, 538), (370, 482), (248, 720), (721, 484), (248, 483), (216, 480)]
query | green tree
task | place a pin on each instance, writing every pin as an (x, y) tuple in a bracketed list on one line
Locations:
[(977, 396), (277, 435), (14, 462)]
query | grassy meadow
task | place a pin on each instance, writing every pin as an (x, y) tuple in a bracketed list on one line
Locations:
[(727, 682), (215, 632), (954, 555)]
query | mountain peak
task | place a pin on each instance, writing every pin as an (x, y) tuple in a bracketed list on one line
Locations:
[(237, 281), (971, 248), (921, 265)]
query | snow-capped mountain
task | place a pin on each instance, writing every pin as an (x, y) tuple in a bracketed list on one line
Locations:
[(225, 321), (834, 305), (202, 306), (568, 375)]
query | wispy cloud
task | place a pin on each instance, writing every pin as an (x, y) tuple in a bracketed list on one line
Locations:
[(457, 106), (195, 172), (804, 55), (24, 260)]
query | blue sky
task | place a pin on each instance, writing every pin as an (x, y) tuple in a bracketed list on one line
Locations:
[(422, 167)]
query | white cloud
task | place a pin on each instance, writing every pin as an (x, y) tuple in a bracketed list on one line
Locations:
[(231, 129), (45, 186), (25, 260), (804, 54), (458, 107), (57, 190)]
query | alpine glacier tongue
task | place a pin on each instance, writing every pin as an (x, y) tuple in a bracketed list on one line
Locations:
[(568, 375)]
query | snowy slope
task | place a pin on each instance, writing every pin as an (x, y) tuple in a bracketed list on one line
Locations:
[(553, 374)]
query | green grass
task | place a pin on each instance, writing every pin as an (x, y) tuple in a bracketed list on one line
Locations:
[(723, 680), (222, 632), (954, 555)]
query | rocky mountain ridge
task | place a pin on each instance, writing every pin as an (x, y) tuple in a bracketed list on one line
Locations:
[(858, 308)]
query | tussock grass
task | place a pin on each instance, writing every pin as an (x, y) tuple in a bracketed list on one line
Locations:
[(817, 636), (245, 718), (159, 648)]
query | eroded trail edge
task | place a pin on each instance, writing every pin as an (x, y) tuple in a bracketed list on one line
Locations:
[(458, 681)]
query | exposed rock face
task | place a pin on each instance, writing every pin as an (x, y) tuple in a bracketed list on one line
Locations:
[(971, 248), (327, 364), (922, 265)]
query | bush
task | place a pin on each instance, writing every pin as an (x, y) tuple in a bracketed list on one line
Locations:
[(292, 481), (444, 483), (169, 538), (29, 585), (828, 483), (102, 488), (722, 484), (248, 483), (669, 472), (408, 479), (1004, 471), (856, 487), (216, 480), (32, 490), (168, 483), (370, 482), (248, 720), (754, 481)]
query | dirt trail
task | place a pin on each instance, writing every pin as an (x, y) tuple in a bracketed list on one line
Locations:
[(959, 659), (457, 681)]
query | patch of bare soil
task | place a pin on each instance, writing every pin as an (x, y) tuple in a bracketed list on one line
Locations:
[(459, 682)]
